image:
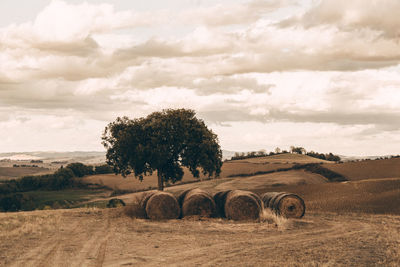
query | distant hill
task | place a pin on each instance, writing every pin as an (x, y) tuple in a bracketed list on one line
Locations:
[(284, 158), (81, 156)]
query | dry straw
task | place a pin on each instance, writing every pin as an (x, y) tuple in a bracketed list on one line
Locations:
[(242, 205), (284, 204), (161, 206), (220, 199), (197, 202), (155, 205)]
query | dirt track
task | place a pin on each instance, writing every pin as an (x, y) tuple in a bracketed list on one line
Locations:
[(90, 237)]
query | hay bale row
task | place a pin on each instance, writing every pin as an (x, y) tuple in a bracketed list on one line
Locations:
[(284, 204), (196, 202), (158, 205), (238, 205)]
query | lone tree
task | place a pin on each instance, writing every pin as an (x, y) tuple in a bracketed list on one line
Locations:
[(163, 142)]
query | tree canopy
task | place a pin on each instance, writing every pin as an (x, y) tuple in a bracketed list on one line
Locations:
[(163, 142)]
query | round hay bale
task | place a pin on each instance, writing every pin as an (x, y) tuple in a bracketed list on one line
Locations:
[(136, 207), (287, 205), (242, 205), (220, 199), (197, 202), (266, 198), (162, 206), (181, 196)]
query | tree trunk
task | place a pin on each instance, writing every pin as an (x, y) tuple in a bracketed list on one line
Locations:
[(160, 181)]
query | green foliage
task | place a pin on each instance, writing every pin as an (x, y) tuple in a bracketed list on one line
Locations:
[(254, 154), (16, 202), (115, 202), (61, 179), (297, 150), (38, 199), (103, 169), (163, 141), (329, 156), (80, 169)]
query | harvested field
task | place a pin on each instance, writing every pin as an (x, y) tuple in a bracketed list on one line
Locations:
[(374, 196), (92, 237), (368, 169), (8, 173)]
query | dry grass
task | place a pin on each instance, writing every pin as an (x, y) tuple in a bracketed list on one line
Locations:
[(162, 206), (93, 237), (242, 206), (198, 202)]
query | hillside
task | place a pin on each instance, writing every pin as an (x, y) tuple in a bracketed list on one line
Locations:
[(229, 169), (367, 169), (285, 158), (374, 196)]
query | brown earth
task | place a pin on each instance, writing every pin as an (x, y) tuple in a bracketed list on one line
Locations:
[(92, 237), (367, 169)]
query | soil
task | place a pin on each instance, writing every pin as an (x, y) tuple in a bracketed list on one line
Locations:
[(95, 237)]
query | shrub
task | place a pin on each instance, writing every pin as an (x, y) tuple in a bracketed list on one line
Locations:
[(103, 169), (80, 169), (16, 202)]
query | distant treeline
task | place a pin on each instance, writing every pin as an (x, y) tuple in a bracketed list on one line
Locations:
[(11, 191), (255, 154), (25, 166), (293, 150)]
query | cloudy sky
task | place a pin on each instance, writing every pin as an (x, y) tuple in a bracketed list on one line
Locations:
[(324, 74)]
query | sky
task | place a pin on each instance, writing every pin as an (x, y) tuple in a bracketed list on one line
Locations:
[(324, 75)]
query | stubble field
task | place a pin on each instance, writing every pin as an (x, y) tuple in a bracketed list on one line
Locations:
[(95, 237)]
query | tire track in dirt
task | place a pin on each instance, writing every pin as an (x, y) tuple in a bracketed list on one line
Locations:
[(93, 251), (44, 253), (220, 253)]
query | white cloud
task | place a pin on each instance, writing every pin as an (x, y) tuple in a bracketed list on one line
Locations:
[(319, 74), (377, 15)]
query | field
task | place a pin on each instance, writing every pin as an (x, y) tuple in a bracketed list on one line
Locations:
[(106, 237), (353, 223), (229, 169), (368, 169), (7, 173)]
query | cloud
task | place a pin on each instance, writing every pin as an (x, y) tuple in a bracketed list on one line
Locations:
[(377, 15), (223, 14), (232, 63)]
